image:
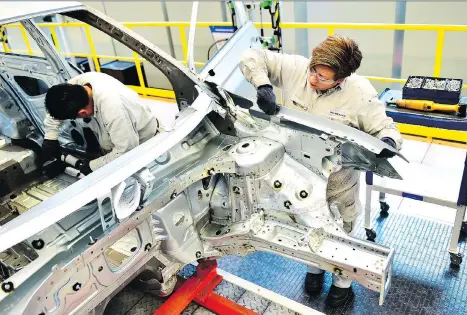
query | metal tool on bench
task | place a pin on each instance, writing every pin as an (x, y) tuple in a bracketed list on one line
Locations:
[(430, 106)]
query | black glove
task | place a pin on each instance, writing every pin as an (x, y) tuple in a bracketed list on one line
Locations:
[(53, 168), (267, 99), (386, 153), (83, 167), (389, 142), (50, 150)]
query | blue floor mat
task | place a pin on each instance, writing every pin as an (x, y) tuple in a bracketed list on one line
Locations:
[(423, 281)]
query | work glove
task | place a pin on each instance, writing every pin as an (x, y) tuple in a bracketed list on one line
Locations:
[(83, 167), (386, 153), (389, 142), (52, 168), (267, 100), (50, 149)]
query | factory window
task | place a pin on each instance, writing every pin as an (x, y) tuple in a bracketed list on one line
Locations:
[(32, 86)]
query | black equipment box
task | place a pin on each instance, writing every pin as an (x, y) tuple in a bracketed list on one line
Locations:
[(438, 90), (124, 71)]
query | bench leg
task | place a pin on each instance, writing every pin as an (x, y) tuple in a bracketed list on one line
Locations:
[(464, 224), (382, 196), (456, 257), (368, 191), (370, 233)]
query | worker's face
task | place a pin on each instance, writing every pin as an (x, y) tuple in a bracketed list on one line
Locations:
[(321, 78)]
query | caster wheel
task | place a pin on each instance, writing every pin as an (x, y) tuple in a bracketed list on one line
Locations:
[(384, 209), (370, 235), (464, 227), (456, 260)]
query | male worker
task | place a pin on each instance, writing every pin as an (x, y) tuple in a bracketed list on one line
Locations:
[(118, 117), (325, 85)]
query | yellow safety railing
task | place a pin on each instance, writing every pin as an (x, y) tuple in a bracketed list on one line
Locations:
[(331, 27)]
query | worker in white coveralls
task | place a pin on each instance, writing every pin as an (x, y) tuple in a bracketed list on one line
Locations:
[(325, 85), (117, 115)]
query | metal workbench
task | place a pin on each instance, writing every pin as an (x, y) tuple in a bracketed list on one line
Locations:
[(421, 182)]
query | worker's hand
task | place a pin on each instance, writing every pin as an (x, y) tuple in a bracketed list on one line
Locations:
[(50, 149), (386, 153), (83, 167), (389, 142), (52, 168), (267, 99)]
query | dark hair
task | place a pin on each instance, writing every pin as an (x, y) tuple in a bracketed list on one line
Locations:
[(64, 100), (340, 53)]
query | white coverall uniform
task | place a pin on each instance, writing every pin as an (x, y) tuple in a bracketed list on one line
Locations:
[(354, 102), (121, 121)]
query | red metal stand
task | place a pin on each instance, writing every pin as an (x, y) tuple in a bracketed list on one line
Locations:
[(199, 288)]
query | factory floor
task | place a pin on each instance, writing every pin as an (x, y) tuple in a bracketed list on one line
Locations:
[(423, 280)]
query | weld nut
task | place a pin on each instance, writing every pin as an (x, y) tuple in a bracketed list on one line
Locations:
[(8, 287), (38, 244), (303, 194), (287, 204), (277, 184), (76, 286)]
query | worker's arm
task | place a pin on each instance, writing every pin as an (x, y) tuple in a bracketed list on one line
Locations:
[(52, 127), (123, 134), (50, 145), (261, 67), (374, 121)]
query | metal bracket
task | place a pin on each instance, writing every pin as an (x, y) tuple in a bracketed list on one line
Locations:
[(124, 203), (106, 224), (146, 180)]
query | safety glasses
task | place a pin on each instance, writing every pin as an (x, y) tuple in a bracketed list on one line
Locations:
[(312, 72)]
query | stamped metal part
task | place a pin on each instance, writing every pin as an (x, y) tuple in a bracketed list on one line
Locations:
[(316, 238)]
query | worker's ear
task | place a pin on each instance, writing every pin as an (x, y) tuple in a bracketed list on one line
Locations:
[(82, 113), (339, 81), (85, 112)]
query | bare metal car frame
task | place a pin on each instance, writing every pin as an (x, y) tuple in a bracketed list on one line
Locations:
[(226, 179)]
